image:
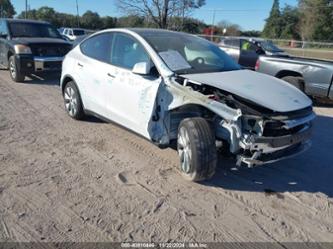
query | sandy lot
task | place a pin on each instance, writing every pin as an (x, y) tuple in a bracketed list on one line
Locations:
[(64, 180)]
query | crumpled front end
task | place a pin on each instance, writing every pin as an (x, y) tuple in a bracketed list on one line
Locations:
[(261, 139), (255, 133)]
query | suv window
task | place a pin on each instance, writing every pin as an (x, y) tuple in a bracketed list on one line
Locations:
[(98, 47), (79, 32), (3, 28), (23, 29), (127, 51)]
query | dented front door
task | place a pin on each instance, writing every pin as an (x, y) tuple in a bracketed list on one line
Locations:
[(130, 98)]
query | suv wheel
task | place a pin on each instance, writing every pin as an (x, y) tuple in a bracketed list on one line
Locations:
[(197, 149), (73, 103), (15, 74)]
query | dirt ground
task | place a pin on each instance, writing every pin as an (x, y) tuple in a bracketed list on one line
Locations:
[(65, 180)]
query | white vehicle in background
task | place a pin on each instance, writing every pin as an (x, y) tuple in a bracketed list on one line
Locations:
[(169, 86), (73, 33)]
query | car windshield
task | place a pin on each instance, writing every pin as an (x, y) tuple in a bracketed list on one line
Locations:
[(78, 32), (270, 46), (188, 54), (18, 29)]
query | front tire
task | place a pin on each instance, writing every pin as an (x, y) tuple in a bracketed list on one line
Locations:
[(14, 72), (73, 103), (197, 149)]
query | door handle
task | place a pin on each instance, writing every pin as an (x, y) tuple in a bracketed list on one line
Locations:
[(79, 64), (112, 76)]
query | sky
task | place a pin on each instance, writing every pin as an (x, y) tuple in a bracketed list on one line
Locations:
[(249, 14)]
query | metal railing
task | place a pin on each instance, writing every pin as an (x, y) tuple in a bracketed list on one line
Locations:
[(308, 49)]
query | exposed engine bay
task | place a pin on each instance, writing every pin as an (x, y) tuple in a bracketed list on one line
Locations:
[(259, 135)]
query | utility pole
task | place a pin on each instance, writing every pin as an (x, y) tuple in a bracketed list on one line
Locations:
[(26, 9), (213, 24), (78, 14)]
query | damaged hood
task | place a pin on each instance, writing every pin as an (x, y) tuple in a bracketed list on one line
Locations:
[(261, 89)]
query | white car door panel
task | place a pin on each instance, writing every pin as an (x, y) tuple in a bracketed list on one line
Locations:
[(92, 70), (130, 99), (93, 78)]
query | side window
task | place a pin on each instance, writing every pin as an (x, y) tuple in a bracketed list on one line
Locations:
[(3, 28), (70, 32), (98, 47), (248, 46), (127, 51)]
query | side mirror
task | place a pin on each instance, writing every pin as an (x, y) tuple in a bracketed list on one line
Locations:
[(142, 68)]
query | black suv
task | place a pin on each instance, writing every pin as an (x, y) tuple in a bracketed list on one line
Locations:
[(30, 47)]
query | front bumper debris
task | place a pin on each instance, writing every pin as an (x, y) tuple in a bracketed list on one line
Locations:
[(259, 158)]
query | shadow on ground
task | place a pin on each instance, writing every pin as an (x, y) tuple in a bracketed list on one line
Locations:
[(310, 172), (51, 78)]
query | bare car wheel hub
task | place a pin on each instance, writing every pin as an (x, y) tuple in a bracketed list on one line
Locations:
[(184, 150), (70, 101), (12, 69)]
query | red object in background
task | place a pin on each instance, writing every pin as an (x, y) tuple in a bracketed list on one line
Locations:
[(209, 31)]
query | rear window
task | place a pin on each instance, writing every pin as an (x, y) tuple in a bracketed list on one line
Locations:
[(79, 32), (18, 29)]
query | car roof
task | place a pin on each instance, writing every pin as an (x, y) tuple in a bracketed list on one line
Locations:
[(151, 30)]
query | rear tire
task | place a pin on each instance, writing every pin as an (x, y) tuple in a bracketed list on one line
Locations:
[(73, 103), (197, 149), (295, 81), (14, 72)]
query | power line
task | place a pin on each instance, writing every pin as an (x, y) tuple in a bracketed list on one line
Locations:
[(330, 6)]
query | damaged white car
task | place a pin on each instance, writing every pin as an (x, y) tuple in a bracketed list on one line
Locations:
[(169, 86)]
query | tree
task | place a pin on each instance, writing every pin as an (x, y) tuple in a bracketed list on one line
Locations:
[(130, 21), (109, 22), (186, 24), (46, 14), (6, 9), (159, 11), (251, 33), (91, 20), (273, 24), (50, 15), (316, 19), (231, 28), (290, 23)]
